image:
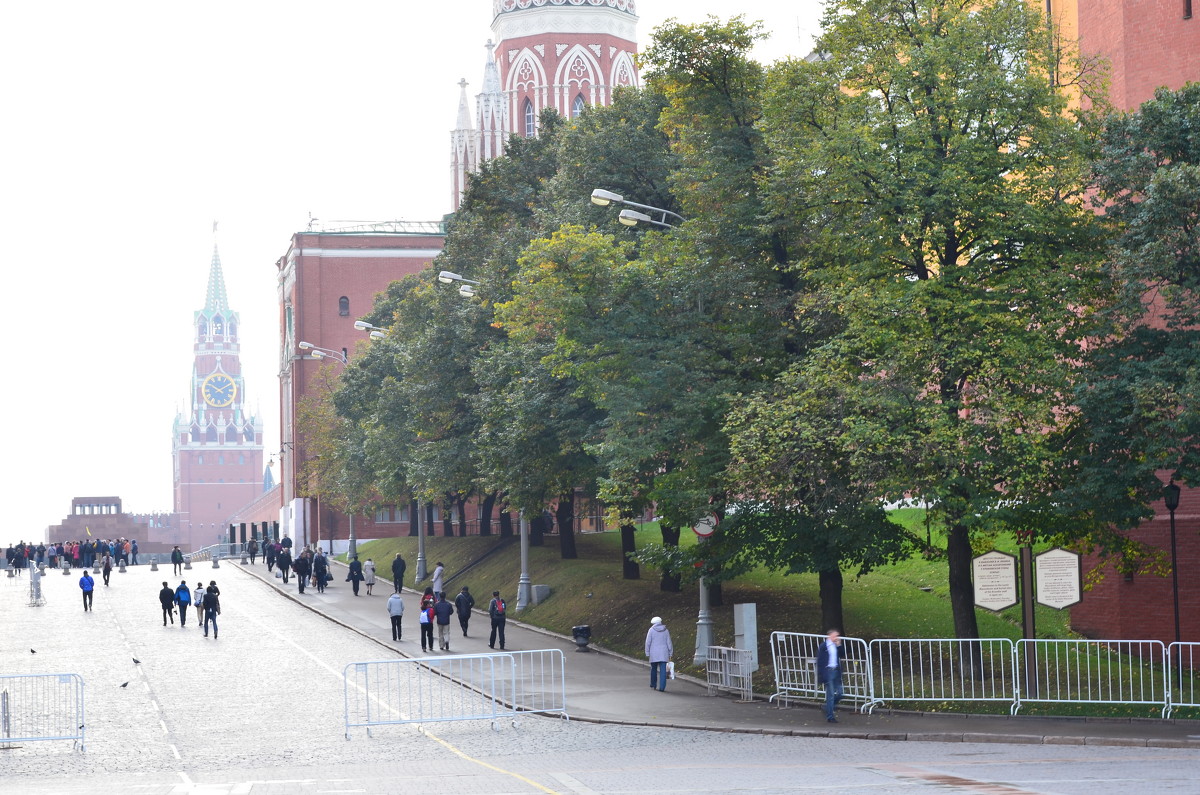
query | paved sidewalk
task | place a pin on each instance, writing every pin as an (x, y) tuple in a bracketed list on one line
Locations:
[(606, 687)]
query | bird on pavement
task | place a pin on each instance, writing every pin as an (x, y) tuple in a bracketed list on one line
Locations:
[(124, 684), (136, 661), (33, 651)]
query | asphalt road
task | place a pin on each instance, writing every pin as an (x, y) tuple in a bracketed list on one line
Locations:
[(260, 710)]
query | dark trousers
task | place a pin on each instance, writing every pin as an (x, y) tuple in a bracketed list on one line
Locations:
[(463, 618), (426, 636), (301, 579), (354, 584), (107, 573), (87, 600), (398, 584), (168, 612), (182, 614), (396, 627), (497, 630)]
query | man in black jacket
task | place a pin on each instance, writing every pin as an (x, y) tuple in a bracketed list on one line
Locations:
[(166, 597), (443, 610), (829, 670), (496, 609), (463, 603)]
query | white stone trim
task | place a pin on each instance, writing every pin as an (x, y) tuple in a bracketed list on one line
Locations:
[(565, 20)]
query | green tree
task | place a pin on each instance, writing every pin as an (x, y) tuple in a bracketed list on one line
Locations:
[(933, 176)]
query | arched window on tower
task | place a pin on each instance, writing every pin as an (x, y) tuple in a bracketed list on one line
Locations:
[(530, 119), (344, 306), (201, 328), (195, 433), (577, 106), (232, 329), (218, 326), (211, 434)]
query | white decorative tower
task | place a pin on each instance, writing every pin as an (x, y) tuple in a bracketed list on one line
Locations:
[(561, 54)]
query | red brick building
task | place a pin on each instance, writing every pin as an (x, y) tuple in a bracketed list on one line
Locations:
[(1147, 45), (328, 279)]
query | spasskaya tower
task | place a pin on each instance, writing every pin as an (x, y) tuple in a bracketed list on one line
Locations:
[(217, 448)]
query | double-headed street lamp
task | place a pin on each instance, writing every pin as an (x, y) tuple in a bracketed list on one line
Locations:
[(603, 198), (317, 352), (466, 287), (376, 332)]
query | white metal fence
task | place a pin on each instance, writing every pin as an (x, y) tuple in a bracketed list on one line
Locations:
[(995, 669), (41, 707), (731, 670), (1183, 661), (794, 657), (941, 669), (454, 688)]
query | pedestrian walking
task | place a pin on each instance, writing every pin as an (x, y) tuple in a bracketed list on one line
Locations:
[(212, 608), (87, 584), (425, 624), (166, 597), (321, 570), (659, 651), (829, 669), (464, 603), (252, 548), (356, 574), (133, 550), (438, 585), (398, 569), (496, 610), (198, 601), (106, 567), (177, 559), (183, 598), (269, 555), (303, 569), (369, 575), (283, 559), (395, 608), (443, 610)]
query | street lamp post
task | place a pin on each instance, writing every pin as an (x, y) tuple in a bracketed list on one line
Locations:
[(523, 582), (1171, 498), (704, 528), (603, 198), (375, 332), (421, 528)]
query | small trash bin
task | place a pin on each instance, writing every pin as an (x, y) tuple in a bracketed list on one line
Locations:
[(583, 636)]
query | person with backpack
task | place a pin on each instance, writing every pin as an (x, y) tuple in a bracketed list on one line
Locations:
[(166, 598), (183, 598), (425, 624), (198, 601), (212, 608), (496, 609), (252, 548), (87, 585), (443, 610), (464, 603), (283, 559), (321, 570)]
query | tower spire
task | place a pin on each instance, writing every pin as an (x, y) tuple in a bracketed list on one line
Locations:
[(216, 299)]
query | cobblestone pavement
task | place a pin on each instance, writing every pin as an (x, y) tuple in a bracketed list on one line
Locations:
[(260, 710)]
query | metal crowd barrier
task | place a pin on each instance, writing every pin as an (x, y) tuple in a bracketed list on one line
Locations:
[(995, 669), (1093, 672), (941, 669), (794, 657), (539, 682), (455, 687), (38, 707), (426, 690), (1183, 661), (731, 670)]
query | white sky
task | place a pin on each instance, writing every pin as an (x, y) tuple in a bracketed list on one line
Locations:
[(129, 127)]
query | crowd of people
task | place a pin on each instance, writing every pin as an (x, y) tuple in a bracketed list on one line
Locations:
[(76, 554)]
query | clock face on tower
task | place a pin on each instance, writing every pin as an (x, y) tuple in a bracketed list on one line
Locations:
[(219, 390)]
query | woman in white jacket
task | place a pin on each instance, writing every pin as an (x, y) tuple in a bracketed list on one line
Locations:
[(369, 575), (658, 651)]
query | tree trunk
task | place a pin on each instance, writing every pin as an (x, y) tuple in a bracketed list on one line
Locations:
[(715, 597), (831, 600), (962, 595), (564, 516), (485, 514), (447, 517), (461, 504), (629, 568), (506, 528), (414, 514), (537, 534), (670, 580)]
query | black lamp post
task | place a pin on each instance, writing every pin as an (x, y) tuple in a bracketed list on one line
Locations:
[(1171, 498)]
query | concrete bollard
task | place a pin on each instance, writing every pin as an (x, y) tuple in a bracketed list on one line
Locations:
[(187, 565), (122, 569), (66, 568), (96, 569), (154, 563), (11, 574), (245, 560), (216, 561)]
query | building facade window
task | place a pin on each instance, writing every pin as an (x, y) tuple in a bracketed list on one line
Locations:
[(530, 120), (577, 106), (344, 306)]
